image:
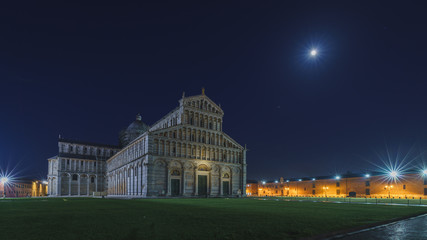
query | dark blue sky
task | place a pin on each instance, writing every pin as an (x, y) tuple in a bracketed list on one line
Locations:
[(85, 71)]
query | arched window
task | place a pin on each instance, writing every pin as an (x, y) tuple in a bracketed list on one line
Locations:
[(92, 179), (175, 173), (226, 175), (203, 167), (75, 177)]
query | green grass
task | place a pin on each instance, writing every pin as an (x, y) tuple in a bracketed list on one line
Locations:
[(355, 200), (85, 218)]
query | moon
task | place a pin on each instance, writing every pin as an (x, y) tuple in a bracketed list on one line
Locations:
[(313, 52)]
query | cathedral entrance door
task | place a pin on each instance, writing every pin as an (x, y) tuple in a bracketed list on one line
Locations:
[(175, 187), (225, 188), (202, 186)]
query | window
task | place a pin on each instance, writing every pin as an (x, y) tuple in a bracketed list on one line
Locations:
[(368, 191), (94, 164), (305, 189), (338, 184), (425, 191), (81, 163), (92, 179), (338, 192), (75, 177), (84, 150), (68, 161), (367, 183), (404, 186), (314, 185), (313, 192), (71, 149), (425, 180)]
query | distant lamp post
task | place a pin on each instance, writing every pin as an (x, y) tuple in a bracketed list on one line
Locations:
[(425, 172), (324, 190), (4, 180), (389, 187), (367, 175)]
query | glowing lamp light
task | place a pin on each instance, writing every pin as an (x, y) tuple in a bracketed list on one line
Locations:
[(287, 180), (276, 181), (4, 180), (313, 179), (367, 175), (337, 177), (394, 174), (425, 171), (299, 180), (263, 182), (45, 182)]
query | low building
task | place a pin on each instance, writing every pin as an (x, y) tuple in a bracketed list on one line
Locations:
[(411, 185), (23, 188)]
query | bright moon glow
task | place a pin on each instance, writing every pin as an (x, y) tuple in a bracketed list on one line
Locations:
[(4, 180), (313, 52)]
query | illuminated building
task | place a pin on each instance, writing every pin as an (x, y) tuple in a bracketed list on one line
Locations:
[(23, 188), (410, 185), (185, 153)]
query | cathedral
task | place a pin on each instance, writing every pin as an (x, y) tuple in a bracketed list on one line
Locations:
[(185, 153)]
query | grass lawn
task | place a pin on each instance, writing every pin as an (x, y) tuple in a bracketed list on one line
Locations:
[(408, 201), (85, 218)]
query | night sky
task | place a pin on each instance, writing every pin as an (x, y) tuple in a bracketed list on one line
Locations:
[(85, 71)]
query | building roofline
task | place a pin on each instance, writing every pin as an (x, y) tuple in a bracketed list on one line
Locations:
[(341, 176), (63, 140)]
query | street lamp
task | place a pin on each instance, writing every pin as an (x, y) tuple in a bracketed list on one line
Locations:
[(389, 187), (324, 190)]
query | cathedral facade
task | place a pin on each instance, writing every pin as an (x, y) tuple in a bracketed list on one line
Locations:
[(185, 153)]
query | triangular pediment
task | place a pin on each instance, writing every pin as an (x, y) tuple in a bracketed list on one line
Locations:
[(192, 101)]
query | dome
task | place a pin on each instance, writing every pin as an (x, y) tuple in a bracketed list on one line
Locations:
[(134, 130)]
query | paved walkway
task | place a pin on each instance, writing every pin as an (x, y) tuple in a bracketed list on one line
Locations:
[(413, 228)]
